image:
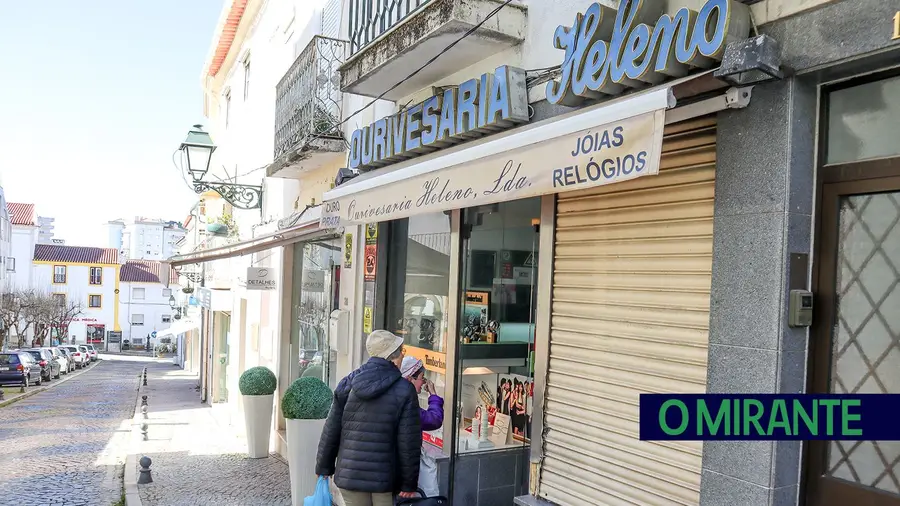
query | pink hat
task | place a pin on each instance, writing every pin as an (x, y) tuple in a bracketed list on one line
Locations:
[(410, 366)]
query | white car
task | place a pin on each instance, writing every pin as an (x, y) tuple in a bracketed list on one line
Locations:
[(82, 359), (92, 351), (60, 359)]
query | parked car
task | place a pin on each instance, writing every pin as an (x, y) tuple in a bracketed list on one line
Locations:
[(18, 368), (59, 357), (67, 355), (49, 367), (92, 350), (81, 359), (87, 352)]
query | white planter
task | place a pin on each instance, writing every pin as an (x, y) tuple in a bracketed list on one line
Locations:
[(258, 423), (303, 443)]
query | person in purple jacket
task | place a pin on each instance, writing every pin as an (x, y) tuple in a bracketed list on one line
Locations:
[(432, 419), (414, 370)]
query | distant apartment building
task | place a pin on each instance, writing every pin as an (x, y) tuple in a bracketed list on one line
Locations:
[(24, 236), (144, 238)]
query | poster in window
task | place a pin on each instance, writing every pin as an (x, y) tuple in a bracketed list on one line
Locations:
[(477, 307), (514, 398)]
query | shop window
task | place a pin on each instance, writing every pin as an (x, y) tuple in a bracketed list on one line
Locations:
[(418, 284), (863, 121), (496, 329), (314, 296)]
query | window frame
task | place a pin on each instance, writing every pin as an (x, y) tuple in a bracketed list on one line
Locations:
[(99, 297), (246, 77), (134, 323), (166, 295), (166, 317), (91, 275), (65, 274), (60, 294), (11, 261), (134, 291)]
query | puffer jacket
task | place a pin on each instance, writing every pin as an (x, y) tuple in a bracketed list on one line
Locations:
[(373, 436)]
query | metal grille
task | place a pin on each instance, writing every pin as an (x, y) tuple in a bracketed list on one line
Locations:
[(308, 97), (866, 342), (369, 19)]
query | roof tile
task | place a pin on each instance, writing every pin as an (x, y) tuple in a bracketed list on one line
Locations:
[(75, 254), (145, 271), (21, 214)]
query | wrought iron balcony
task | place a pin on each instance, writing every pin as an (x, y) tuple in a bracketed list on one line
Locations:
[(389, 38), (308, 106), (371, 18)]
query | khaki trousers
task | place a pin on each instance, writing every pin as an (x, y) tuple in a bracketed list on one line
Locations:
[(352, 498)]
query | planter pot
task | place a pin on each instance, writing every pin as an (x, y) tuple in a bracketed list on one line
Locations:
[(303, 442), (258, 421), (217, 228)]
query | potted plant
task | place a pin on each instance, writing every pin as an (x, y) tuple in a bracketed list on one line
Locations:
[(188, 289), (305, 406), (257, 386)]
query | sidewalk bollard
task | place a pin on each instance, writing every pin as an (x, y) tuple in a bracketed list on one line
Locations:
[(144, 428), (144, 411), (145, 376), (145, 477), (143, 400), (1, 395)]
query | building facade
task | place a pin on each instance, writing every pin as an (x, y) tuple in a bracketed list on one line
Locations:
[(555, 230), (24, 236), (85, 276), (147, 303), (145, 238)]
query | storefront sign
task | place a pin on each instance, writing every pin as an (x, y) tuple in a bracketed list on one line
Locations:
[(84, 319), (608, 51), (348, 251), (433, 360), (114, 336), (476, 107), (261, 278), (611, 153), (313, 281)]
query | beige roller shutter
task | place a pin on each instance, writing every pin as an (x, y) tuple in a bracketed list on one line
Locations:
[(630, 314)]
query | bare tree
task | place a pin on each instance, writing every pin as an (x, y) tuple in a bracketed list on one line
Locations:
[(16, 309), (62, 315)]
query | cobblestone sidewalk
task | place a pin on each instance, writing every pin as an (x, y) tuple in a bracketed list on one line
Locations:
[(197, 459)]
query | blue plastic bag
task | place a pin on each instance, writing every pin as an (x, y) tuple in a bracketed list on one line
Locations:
[(322, 495)]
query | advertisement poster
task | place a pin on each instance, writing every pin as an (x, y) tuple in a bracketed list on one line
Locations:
[(514, 398), (477, 306), (369, 262), (348, 251)]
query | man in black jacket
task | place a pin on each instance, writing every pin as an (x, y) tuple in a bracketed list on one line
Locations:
[(373, 430)]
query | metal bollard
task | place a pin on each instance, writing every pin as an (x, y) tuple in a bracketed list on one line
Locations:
[(145, 477), (145, 376), (144, 428), (144, 411)]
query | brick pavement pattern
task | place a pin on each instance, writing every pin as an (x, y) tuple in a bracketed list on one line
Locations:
[(66, 446), (197, 458)]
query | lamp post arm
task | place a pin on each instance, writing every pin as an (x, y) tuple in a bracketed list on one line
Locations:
[(238, 195)]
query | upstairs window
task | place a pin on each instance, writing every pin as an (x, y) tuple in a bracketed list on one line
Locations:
[(96, 276), (59, 274)]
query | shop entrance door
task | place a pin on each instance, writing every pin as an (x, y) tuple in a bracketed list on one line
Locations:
[(857, 340)]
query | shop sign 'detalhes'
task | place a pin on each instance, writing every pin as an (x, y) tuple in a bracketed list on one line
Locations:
[(479, 106), (609, 51)]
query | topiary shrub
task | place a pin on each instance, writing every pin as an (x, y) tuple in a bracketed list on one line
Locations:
[(313, 372), (257, 381), (306, 399)]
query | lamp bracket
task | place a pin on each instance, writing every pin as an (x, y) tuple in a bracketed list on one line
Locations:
[(241, 196)]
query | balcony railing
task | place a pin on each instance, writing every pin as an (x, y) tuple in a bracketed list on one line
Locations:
[(371, 18), (308, 97)]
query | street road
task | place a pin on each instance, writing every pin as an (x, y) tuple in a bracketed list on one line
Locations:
[(67, 446)]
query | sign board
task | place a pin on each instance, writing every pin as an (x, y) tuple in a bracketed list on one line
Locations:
[(153, 334), (606, 154), (432, 360), (608, 51), (261, 278), (367, 319), (114, 336), (348, 251), (479, 106), (370, 262), (313, 281), (206, 298)]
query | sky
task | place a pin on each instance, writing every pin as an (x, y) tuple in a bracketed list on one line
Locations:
[(95, 97)]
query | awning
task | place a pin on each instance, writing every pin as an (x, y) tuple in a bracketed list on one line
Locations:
[(614, 141), (306, 228), (179, 327)]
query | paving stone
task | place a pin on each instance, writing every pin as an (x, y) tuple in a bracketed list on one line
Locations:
[(62, 447)]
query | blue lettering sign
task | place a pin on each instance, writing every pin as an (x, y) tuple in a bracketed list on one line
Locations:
[(478, 107), (608, 51)]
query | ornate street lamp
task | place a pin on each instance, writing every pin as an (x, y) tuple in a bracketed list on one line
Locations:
[(196, 154)]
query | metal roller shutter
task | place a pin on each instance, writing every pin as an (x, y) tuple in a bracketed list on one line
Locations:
[(630, 314)]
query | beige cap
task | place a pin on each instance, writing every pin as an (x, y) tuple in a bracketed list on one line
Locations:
[(382, 343)]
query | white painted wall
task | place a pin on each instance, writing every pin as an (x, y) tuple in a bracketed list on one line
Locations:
[(153, 306), (23, 239), (5, 244)]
